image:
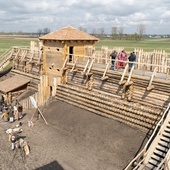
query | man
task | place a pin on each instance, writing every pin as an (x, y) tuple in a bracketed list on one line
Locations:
[(132, 59), (113, 57)]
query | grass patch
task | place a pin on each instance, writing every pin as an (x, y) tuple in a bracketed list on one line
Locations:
[(8, 41), (148, 44)]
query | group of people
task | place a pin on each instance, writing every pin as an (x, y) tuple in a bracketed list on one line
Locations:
[(10, 112), (122, 59)]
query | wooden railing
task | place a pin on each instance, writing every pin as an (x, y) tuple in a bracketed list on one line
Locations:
[(138, 160), (142, 66)]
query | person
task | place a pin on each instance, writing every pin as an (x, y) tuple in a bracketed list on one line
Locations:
[(11, 113), (6, 114), (122, 57), (113, 57), (13, 140), (15, 112), (20, 110), (1, 103), (132, 59)]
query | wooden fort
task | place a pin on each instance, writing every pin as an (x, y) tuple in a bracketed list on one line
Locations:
[(67, 67)]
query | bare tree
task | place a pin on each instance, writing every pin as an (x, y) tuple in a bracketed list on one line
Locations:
[(101, 32), (120, 32), (46, 30), (94, 32), (82, 29), (39, 32), (141, 30), (114, 32)]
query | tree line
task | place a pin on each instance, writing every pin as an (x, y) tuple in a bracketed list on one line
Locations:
[(118, 33)]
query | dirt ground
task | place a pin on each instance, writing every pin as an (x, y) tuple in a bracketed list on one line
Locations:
[(74, 139)]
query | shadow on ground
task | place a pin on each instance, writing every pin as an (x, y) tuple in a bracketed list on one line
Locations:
[(51, 166)]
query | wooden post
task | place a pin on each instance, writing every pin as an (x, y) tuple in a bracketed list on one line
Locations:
[(74, 65), (123, 75), (150, 86), (104, 77), (44, 69)]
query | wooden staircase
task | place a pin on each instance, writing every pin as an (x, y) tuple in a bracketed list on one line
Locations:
[(155, 154), (159, 148)]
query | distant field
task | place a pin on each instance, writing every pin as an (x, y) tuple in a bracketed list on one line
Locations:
[(148, 44), (7, 41)]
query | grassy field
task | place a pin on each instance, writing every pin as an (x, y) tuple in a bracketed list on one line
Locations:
[(7, 41), (148, 44)]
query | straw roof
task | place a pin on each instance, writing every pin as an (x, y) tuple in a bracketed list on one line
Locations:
[(68, 33)]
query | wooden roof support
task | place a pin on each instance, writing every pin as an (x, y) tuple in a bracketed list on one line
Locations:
[(74, 65), (39, 57), (128, 82), (123, 75), (32, 56), (91, 64), (104, 77), (150, 86), (16, 56), (64, 65), (24, 54), (85, 68)]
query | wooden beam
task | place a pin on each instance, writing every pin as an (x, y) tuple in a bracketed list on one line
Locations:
[(150, 86), (104, 77), (123, 75)]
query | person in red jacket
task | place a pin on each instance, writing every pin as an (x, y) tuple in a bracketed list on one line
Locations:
[(122, 57)]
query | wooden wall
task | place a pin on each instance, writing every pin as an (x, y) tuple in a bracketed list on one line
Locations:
[(55, 53)]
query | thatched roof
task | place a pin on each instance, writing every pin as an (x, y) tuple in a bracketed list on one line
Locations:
[(68, 33)]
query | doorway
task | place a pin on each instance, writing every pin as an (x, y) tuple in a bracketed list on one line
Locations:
[(71, 52)]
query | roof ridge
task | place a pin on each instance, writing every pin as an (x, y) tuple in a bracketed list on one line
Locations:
[(69, 33)]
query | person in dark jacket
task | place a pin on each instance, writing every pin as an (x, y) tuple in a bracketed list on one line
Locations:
[(132, 59), (20, 110), (113, 57)]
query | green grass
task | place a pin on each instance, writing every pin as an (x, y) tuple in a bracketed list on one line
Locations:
[(148, 44), (8, 41)]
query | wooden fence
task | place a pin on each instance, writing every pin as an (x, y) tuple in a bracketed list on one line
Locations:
[(26, 103), (144, 60)]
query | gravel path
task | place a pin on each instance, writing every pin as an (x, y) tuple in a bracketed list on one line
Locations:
[(74, 139)]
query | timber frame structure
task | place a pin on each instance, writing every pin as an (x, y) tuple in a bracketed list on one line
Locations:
[(69, 69)]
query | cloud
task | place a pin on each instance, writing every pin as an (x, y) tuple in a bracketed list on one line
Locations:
[(31, 15)]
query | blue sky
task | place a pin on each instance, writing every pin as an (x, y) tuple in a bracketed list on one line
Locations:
[(31, 15)]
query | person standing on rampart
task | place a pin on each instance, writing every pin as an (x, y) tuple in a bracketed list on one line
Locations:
[(122, 57), (113, 57), (132, 59)]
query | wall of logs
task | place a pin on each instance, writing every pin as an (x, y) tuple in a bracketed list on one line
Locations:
[(104, 97)]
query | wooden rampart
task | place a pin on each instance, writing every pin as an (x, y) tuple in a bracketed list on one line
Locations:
[(145, 60), (85, 87)]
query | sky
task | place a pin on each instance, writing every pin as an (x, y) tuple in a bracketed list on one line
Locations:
[(32, 15)]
